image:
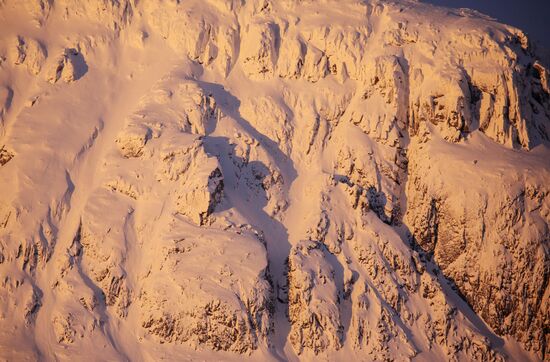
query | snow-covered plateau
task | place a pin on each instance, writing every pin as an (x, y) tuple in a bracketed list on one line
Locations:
[(271, 180)]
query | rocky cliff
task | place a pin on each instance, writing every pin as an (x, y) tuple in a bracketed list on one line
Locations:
[(271, 180)]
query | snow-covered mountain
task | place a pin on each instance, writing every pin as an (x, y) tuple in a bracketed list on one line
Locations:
[(271, 180)]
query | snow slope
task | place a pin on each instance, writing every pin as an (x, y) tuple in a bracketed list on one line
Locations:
[(271, 180)]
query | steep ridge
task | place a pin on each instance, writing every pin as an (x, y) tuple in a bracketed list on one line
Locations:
[(281, 180)]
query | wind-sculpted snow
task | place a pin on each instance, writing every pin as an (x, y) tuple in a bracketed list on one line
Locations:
[(271, 180)]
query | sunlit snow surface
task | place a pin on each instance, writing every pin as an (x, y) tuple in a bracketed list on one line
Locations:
[(271, 180)]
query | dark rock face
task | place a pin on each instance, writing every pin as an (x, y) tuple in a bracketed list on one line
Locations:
[(492, 243)]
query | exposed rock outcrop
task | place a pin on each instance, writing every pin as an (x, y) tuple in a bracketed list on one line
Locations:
[(28, 52), (70, 66), (489, 238), (313, 300), (188, 299)]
